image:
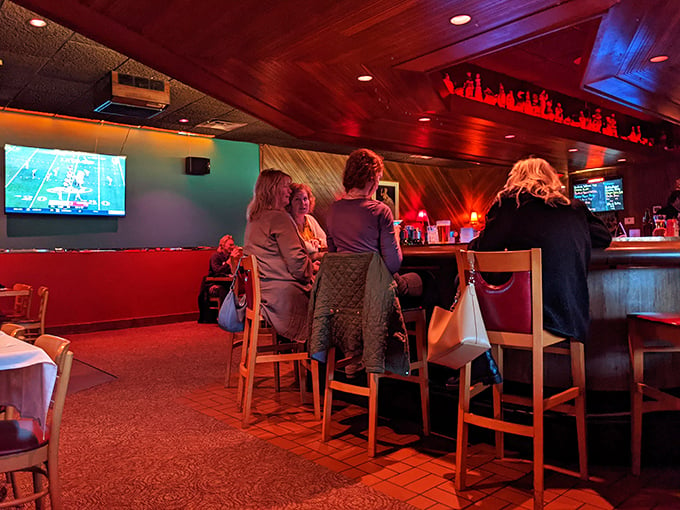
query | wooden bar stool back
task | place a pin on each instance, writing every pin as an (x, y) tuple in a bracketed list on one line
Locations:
[(233, 339), (255, 351), (649, 333), (520, 330)]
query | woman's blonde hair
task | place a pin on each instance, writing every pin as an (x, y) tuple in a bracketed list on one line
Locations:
[(264, 194), (538, 178)]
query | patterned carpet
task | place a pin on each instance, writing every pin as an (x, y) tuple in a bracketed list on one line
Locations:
[(128, 444)]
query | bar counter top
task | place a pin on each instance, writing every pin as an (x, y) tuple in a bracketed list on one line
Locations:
[(624, 251)]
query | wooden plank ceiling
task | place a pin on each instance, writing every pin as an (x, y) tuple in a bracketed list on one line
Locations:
[(295, 63)]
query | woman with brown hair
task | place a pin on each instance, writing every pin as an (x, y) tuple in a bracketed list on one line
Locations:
[(357, 223), (286, 269)]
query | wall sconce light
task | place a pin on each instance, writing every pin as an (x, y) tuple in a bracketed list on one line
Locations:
[(474, 217), (422, 216)]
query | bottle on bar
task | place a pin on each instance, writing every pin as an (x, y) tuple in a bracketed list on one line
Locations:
[(647, 224)]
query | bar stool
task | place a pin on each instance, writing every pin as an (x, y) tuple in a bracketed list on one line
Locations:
[(254, 353), (649, 333), (340, 292), (517, 323)]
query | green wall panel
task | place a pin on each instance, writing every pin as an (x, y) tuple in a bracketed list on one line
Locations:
[(165, 206)]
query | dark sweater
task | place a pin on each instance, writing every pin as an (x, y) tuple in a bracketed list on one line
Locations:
[(565, 234)]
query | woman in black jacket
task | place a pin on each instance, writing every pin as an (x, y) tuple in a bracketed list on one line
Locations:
[(532, 212)]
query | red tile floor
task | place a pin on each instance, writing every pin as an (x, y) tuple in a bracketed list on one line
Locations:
[(422, 472)]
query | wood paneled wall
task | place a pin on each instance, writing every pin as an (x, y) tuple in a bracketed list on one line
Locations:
[(445, 193), (452, 193)]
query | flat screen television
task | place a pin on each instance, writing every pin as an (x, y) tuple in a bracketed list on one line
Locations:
[(54, 181), (600, 194)]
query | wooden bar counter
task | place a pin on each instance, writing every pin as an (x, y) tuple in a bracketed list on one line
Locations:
[(633, 275)]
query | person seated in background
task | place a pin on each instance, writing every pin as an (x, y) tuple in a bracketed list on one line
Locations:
[(531, 211), (286, 269), (222, 263), (301, 207), (672, 207), (357, 223)]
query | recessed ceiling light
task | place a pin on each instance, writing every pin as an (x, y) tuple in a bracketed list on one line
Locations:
[(659, 58), (621, 160), (573, 149), (183, 121), (509, 137), (424, 119), (365, 77), (37, 22), (460, 19)]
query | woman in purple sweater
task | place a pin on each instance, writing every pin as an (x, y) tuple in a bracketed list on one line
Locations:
[(358, 224)]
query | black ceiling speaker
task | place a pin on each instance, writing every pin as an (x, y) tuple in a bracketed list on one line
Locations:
[(197, 166)]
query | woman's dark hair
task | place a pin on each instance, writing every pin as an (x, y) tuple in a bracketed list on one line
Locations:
[(674, 196), (362, 167)]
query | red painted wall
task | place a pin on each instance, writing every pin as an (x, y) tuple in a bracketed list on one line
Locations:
[(91, 287)]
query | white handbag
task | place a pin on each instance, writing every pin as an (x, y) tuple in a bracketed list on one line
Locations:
[(457, 336)]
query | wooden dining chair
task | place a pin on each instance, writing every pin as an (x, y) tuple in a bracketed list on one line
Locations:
[(254, 351), (22, 304), (215, 302), (14, 330), (520, 329), (34, 327), (26, 446)]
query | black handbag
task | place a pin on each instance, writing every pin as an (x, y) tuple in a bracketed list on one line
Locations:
[(232, 314)]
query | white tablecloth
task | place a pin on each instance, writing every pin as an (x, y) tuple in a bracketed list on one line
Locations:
[(27, 377)]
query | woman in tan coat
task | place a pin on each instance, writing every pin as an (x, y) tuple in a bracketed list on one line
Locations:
[(286, 269)]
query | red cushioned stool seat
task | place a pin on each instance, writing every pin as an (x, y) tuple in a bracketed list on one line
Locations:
[(20, 436)]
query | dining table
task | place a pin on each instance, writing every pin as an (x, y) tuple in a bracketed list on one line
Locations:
[(27, 378)]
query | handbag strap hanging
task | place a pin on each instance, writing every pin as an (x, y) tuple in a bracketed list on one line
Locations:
[(233, 280), (470, 280), (472, 272)]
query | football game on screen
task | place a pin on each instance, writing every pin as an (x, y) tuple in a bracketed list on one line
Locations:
[(53, 181)]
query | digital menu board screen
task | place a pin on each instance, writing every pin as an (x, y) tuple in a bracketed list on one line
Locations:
[(600, 195)]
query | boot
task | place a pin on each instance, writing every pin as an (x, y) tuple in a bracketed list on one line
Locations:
[(484, 370)]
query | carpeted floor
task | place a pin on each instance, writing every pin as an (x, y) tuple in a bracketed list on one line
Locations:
[(128, 444)]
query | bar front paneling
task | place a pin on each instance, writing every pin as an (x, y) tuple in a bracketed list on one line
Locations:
[(630, 276)]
